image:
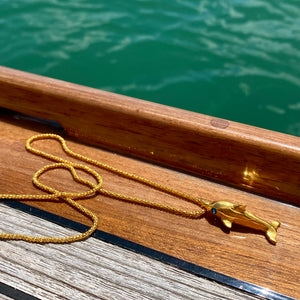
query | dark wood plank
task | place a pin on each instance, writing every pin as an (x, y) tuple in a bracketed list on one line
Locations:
[(251, 158), (242, 253)]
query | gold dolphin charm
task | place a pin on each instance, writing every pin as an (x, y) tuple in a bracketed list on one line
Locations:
[(236, 213)]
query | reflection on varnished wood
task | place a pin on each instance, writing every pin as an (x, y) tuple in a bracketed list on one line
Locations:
[(234, 254), (218, 149)]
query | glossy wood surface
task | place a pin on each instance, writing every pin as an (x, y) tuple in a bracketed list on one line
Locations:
[(242, 253), (250, 158)]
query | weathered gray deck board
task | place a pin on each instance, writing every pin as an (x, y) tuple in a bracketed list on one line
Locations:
[(92, 269)]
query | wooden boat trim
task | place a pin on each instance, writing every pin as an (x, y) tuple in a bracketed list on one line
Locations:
[(257, 160), (247, 157)]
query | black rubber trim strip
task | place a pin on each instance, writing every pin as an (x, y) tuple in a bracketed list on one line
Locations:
[(15, 293), (168, 259)]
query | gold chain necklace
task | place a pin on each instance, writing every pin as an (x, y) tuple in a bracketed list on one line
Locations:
[(226, 211)]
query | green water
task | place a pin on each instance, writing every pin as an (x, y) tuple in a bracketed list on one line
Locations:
[(234, 59)]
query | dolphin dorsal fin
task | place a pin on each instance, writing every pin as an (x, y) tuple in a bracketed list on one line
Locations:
[(240, 207), (227, 223)]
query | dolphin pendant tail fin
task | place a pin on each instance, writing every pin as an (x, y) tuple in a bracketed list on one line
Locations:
[(272, 231)]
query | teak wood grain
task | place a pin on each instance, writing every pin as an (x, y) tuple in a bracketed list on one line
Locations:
[(250, 158), (242, 253)]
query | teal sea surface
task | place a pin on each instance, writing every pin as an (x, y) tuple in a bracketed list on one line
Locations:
[(238, 60)]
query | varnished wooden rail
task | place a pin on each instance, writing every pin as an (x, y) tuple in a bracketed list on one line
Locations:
[(259, 160), (251, 158)]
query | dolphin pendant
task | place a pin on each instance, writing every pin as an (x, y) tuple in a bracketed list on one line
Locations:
[(236, 213)]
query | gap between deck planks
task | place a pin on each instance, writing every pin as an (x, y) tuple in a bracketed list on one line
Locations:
[(197, 241)]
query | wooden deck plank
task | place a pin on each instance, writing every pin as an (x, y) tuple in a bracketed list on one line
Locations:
[(251, 158), (92, 269), (197, 241)]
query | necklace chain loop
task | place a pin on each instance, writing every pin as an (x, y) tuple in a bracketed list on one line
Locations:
[(95, 189)]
